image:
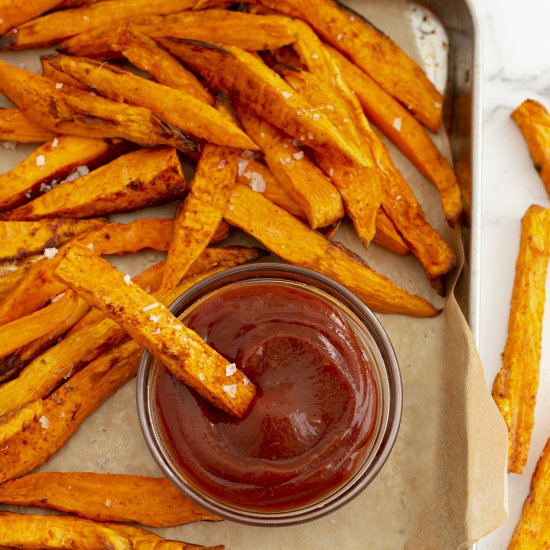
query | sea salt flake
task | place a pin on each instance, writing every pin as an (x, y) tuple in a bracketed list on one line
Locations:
[(154, 318), (230, 369), (246, 381), (257, 182), (201, 376), (50, 253), (340, 36), (230, 390), (108, 503), (55, 142), (44, 422), (352, 18), (314, 56), (330, 107), (44, 187), (28, 195), (150, 307), (71, 177), (154, 333), (40, 160), (222, 164), (299, 155), (90, 246), (82, 170), (242, 166), (57, 298), (286, 95), (309, 136), (248, 154), (58, 85), (316, 117), (398, 198), (178, 327), (398, 123), (127, 279), (346, 121)]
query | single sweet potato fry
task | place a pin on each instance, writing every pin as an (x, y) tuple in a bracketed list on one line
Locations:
[(145, 540), (533, 529), (153, 326), (180, 109), (145, 54), (201, 212), (31, 531), (67, 110), (22, 331), (301, 178), (21, 239), (286, 236), (515, 386), (142, 178), (255, 87), (49, 164), (371, 50), (405, 133), (55, 27), (533, 120), (15, 126), (154, 502), (15, 12), (66, 408)]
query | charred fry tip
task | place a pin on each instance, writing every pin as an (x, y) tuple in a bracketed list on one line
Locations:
[(8, 40), (184, 142)]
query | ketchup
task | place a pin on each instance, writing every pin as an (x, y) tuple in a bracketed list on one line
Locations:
[(315, 409)]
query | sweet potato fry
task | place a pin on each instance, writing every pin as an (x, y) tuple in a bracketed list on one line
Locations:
[(145, 54), (14, 12), (145, 540), (15, 126), (533, 529), (55, 27), (177, 108), (405, 133), (301, 178), (201, 212), (293, 241), (22, 331), (154, 502), (64, 410), (29, 531), (49, 164), (533, 120), (274, 191), (515, 386), (135, 180), (371, 50), (153, 326), (21, 239), (70, 111), (255, 87)]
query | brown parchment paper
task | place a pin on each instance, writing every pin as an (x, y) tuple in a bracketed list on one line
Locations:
[(444, 485)]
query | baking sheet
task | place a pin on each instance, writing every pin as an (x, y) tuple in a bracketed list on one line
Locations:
[(444, 484)]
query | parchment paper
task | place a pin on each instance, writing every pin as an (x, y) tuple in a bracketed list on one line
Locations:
[(444, 484)]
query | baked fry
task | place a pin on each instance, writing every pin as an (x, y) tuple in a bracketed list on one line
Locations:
[(515, 386), (22, 331), (13, 12), (21, 239), (143, 178), (50, 163), (145, 54), (533, 121), (300, 177), (371, 50), (180, 109), (15, 126), (256, 88), (29, 531), (154, 502), (533, 529), (153, 326), (145, 540), (406, 134), (65, 409), (293, 241), (201, 212), (70, 111), (55, 27)]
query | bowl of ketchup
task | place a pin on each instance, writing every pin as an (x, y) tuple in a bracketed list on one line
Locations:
[(327, 407)]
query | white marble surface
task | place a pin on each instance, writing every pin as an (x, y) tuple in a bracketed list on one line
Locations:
[(516, 66)]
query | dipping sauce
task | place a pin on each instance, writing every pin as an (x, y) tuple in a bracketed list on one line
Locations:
[(315, 409)]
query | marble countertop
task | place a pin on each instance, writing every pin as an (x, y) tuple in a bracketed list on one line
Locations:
[(515, 66)]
